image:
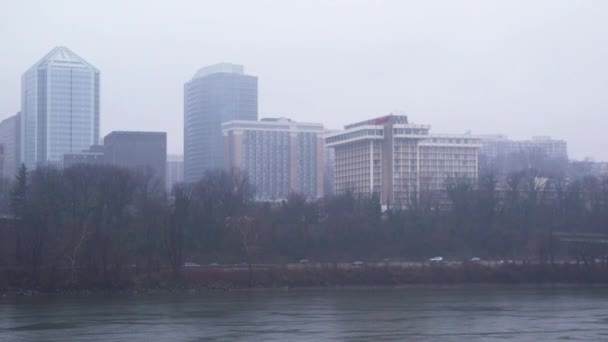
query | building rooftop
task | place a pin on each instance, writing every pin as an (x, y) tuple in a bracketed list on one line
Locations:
[(395, 119), (61, 55), (227, 68)]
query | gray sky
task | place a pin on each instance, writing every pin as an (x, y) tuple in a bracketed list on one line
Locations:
[(520, 68)]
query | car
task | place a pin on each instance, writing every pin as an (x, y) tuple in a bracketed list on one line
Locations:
[(304, 261), (191, 264), (436, 259), (358, 263), (475, 259), (214, 264)]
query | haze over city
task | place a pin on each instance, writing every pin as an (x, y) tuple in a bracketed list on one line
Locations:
[(518, 68)]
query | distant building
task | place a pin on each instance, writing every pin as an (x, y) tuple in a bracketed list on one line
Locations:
[(175, 170), (397, 161), (93, 156), (143, 152), (494, 146), (59, 108), (279, 156), (10, 140), (330, 165), (216, 94)]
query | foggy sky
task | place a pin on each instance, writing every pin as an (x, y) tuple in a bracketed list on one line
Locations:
[(519, 68)]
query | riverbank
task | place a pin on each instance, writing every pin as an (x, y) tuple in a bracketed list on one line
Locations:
[(331, 275)]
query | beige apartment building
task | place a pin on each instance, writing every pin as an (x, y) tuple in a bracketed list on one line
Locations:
[(279, 156), (397, 160)]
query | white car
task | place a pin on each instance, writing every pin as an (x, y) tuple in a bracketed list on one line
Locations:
[(436, 259), (475, 259), (191, 264)]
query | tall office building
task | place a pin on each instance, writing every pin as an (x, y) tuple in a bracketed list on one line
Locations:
[(216, 94), (175, 170), (397, 161), (279, 156), (141, 152), (59, 107), (10, 141)]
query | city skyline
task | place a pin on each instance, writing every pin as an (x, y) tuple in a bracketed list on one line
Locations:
[(498, 80)]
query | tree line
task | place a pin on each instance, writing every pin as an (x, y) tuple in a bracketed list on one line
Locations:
[(91, 225)]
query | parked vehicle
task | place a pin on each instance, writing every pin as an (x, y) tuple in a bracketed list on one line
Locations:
[(436, 259)]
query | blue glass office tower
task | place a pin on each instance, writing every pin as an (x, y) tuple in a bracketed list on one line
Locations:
[(216, 94), (59, 108)]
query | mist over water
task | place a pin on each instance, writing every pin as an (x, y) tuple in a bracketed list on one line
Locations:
[(405, 314)]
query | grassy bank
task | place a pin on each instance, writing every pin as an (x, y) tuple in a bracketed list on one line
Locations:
[(327, 275)]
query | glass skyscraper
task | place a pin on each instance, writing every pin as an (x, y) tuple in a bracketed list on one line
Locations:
[(59, 108), (216, 94)]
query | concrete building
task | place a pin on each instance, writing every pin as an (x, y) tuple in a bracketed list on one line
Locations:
[(142, 152), (494, 146), (175, 170), (397, 161), (279, 156), (59, 108), (216, 94), (93, 156), (10, 132), (330, 164)]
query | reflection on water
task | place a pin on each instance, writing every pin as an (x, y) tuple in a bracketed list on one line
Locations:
[(407, 314)]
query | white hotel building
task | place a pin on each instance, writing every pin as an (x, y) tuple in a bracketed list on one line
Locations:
[(397, 161)]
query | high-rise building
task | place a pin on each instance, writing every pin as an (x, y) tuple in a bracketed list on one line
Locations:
[(59, 107), (9, 139), (142, 152), (279, 156), (216, 94), (397, 161), (175, 170)]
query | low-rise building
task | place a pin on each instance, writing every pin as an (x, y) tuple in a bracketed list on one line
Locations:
[(93, 156), (142, 152), (494, 146), (10, 133), (175, 170)]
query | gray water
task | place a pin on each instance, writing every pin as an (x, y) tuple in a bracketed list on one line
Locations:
[(406, 314)]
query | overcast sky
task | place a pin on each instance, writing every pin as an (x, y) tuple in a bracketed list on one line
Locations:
[(519, 68)]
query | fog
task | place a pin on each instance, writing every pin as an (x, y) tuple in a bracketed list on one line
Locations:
[(518, 68)]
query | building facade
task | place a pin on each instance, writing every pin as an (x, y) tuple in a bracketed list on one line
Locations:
[(59, 108), (397, 161), (10, 132), (94, 156), (175, 170), (494, 146), (142, 152), (216, 94), (279, 156)]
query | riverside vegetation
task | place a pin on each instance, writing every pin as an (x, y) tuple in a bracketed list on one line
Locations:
[(108, 228)]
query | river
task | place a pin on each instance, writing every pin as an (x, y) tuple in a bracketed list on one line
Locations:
[(402, 314)]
